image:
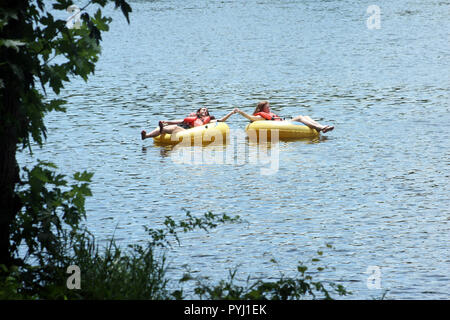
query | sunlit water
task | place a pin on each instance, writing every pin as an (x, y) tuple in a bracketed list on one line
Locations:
[(376, 188)]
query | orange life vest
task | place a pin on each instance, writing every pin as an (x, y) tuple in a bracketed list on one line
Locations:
[(194, 121), (268, 116)]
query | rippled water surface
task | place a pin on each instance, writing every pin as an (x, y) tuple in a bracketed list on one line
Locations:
[(376, 188)]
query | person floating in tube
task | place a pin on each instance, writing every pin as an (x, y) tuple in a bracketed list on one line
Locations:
[(262, 112), (195, 119)]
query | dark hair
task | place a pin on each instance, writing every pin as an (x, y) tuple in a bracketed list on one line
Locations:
[(207, 111)]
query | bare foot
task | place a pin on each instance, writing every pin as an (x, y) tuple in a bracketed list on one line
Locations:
[(327, 128), (143, 134)]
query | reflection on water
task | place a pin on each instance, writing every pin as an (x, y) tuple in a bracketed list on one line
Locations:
[(375, 187), (164, 151)]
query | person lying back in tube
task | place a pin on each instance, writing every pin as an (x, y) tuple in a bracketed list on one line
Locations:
[(262, 112), (195, 119)]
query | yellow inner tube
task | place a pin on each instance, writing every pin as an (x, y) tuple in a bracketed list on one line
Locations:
[(286, 129), (202, 135)]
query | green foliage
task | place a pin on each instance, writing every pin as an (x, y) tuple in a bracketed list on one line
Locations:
[(160, 237), (9, 283), (113, 273), (300, 287), (30, 39), (107, 273), (124, 7), (39, 52), (139, 272), (49, 204)]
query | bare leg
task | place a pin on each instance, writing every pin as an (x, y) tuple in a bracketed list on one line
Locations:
[(171, 129), (307, 121), (154, 133), (312, 123)]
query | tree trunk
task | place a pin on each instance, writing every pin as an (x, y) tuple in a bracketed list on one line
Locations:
[(9, 202), (13, 83), (9, 173)]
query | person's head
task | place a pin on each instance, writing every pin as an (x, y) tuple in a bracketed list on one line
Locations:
[(202, 112), (263, 106)]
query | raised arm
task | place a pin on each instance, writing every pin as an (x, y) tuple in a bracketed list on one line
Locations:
[(249, 117), (225, 118)]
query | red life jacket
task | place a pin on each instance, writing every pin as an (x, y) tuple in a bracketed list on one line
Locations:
[(268, 116), (194, 121)]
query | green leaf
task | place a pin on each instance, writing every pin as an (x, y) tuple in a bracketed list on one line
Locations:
[(302, 269), (38, 173), (100, 2), (101, 22), (55, 105), (83, 176), (125, 7), (62, 4)]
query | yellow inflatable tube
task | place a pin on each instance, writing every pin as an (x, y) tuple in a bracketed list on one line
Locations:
[(286, 129), (202, 135)]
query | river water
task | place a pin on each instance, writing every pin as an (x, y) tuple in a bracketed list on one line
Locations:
[(375, 188)]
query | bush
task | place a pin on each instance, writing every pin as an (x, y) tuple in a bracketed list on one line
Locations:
[(139, 272), (300, 287)]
